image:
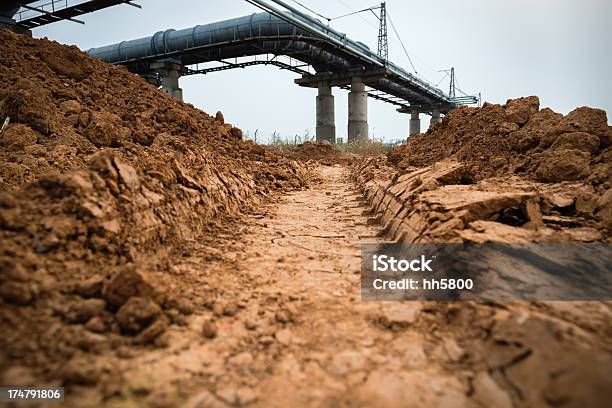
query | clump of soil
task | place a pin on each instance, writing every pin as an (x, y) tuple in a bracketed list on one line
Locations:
[(568, 159), (518, 138), (102, 180)]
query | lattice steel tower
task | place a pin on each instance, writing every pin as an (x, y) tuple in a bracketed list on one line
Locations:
[(452, 88), (383, 40)]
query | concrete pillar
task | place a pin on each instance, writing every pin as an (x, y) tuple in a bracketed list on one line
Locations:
[(415, 123), (358, 111), (326, 115), (435, 117), (169, 73), (170, 84)]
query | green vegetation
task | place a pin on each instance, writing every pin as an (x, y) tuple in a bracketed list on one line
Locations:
[(373, 146), (366, 147)]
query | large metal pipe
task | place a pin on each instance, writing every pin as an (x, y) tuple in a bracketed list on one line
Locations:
[(235, 37), (232, 33)]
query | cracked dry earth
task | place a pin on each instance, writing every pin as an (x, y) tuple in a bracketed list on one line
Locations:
[(282, 323)]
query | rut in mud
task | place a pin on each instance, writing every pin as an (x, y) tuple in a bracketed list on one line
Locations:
[(283, 325), (289, 328), (150, 257)]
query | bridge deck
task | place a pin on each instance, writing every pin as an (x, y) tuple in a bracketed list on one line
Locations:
[(333, 56), (38, 13)]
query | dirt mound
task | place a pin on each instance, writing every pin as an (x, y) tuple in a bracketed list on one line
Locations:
[(103, 179), (517, 138), (537, 145), (323, 153), (507, 174)]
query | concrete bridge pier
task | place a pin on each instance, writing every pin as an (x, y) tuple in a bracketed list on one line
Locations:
[(357, 111), (435, 117), (415, 123), (169, 73), (326, 115)]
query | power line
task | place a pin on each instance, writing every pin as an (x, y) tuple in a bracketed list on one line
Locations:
[(312, 11), (360, 15), (423, 63), (357, 12), (401, 42), (398, 39)]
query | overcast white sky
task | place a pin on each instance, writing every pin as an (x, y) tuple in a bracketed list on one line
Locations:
[(560, 50)]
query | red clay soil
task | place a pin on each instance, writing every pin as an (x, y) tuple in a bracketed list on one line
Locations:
[(148, 259), (506, 174), (103, 180), (518, 139)]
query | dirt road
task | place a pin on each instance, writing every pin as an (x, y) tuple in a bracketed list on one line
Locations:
[(290, 329)]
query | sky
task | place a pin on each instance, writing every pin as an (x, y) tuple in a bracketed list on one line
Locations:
[(560, 50)]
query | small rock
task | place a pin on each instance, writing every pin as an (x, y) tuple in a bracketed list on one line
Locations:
[(209, 329), (18, 293), (507, 127), (151, 333), (91, 287), (399, 316), (14, 271), (18, 137), (283, 316), (162, 341), (563, 165), (586, 204), (284, 337), (127, 174), (520, 110), (71, 107), (124, 352), (126, 284), (185, 306), (251, 324), (230, 310), (7, 201), (219, 118), (176, 317), (241, 360), (559, 200), (80, 371), (604, 208), (217, 309), (236, 133), (84, 310), (97, 325), (106, 130), (136, 314), (266, 340), (577, 141)]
